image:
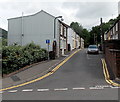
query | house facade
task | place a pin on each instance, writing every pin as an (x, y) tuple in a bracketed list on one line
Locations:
[(38, 28), (77, 41), (112, 49), (119, 8), (73, 40), (82, 43), (114, 32), (70, 39)]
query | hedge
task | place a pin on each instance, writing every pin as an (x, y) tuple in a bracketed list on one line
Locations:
[(15, 57)]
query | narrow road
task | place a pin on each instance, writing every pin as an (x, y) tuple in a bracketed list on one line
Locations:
[(80, 78)]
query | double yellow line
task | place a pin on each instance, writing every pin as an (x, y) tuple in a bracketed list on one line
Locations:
[(44, 76), (107, 76)]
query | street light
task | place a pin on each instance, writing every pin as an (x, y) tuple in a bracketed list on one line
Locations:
[(55, 23)]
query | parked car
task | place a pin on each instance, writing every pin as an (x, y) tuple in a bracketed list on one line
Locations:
[(93, 49)]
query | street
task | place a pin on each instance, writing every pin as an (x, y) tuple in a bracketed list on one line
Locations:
[(80, 78)]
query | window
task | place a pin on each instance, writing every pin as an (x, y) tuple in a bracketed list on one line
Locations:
[(61, 29), (116, 26), (65, 31)]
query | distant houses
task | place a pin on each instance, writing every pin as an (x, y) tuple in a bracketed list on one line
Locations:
[(40, 27), (3, 33), (114, 32), (73, 40)]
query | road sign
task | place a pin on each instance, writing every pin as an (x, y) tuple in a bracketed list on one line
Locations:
[(47, 41)]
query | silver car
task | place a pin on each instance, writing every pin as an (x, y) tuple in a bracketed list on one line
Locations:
[(93, 49)]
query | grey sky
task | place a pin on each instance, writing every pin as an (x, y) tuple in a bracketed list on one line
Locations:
[(86, 13)]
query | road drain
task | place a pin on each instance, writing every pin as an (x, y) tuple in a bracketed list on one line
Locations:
[(15, 78)]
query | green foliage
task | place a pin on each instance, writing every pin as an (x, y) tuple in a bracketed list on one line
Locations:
[(16, 57), (0, 45), (86, 37), (4, 42), (77, 28), (95, 33), (81, 32), (96, 30)]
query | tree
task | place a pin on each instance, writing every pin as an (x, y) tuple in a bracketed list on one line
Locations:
[(77, 28), (86, 37), (81, 32)]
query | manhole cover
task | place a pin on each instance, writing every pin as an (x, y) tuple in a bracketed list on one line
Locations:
[(15, 78)]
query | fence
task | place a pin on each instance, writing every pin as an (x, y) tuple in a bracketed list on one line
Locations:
[(112, 56)]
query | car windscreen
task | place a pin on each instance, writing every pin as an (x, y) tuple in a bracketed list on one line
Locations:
[(92, 47)]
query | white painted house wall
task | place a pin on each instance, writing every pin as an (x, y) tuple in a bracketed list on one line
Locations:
[(70, 38), (82, 43), (73, 39), (119, 8), (36, 28), (77, 41)]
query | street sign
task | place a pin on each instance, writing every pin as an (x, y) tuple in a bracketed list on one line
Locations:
[(47, 41)]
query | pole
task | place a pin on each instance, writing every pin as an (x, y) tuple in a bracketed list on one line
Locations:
[(54, 27), (55, 24), (22, 30), (94, 38), (102, 34), (48, 52)]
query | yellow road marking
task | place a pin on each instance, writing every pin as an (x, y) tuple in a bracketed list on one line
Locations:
[(106, 74), (44, 76)]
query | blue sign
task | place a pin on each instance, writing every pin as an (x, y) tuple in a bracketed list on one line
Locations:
[(47, 41)]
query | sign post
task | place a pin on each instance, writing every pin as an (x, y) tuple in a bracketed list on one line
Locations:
[(48, 43)]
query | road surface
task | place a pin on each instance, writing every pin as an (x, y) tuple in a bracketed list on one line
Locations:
[(80, 78)]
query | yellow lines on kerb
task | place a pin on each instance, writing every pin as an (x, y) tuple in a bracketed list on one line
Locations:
[(106, 74), (44, 76)]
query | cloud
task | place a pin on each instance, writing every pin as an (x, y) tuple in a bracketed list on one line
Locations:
[(89, 13), (86, 13), (15, 9)]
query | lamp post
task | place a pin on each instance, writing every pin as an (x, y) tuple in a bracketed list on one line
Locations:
[(55, 24), (22, 29), (102, 35)]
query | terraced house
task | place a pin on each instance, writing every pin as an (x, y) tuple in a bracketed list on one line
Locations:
[(112, 49), (114, 32), (38, 28), (74, 40)]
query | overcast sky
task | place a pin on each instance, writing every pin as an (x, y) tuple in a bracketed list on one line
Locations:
[(86, 12)]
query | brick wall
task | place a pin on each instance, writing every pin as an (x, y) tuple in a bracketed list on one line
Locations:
[(112, 56)]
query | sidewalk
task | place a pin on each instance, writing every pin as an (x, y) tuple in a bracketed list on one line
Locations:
[(33, 72)]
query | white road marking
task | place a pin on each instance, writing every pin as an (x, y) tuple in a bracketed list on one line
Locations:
[(114, 87), (1, 92), (61, 89), (27, 90), (103, 86), (42, 89), (95, 88), (79, 88), (13, 91)]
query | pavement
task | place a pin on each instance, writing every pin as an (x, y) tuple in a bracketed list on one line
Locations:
[(33, 72)]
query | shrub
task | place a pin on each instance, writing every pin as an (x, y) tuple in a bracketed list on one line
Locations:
[(16, 57)]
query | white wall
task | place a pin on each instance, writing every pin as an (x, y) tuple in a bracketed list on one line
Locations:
[(37, 28), (78, 41), (82, 43), (118, 7), (14, 31), (71, 38)]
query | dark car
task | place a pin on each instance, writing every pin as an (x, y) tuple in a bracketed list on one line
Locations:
[(93, 49)]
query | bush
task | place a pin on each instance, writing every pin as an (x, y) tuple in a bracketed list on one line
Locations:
[(16, 57)]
